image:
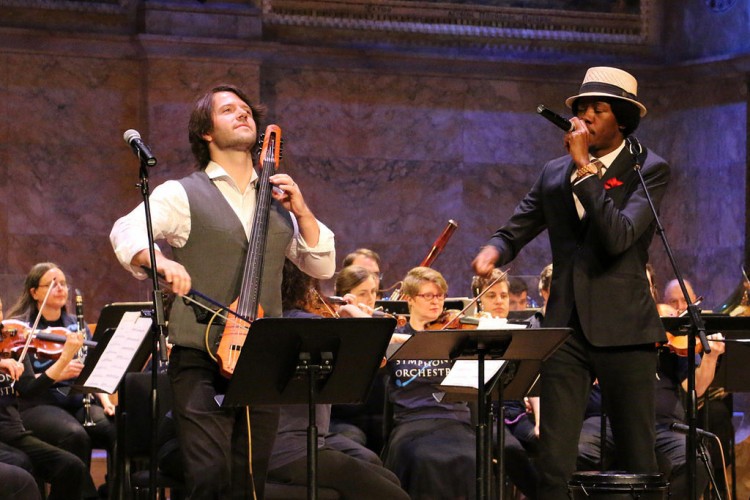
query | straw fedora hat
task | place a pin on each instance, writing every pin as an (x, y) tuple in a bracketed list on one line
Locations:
[(609, 82)]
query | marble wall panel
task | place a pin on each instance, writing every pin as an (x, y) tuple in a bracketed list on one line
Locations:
[(442, 151), (703, 212), (63, 115)]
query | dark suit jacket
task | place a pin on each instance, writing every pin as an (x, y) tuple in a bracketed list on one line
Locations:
[(599, 263)]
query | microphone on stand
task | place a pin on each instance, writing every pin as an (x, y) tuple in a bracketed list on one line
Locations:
[(563, 123), (683, 429), (634, 145), (141, 150)]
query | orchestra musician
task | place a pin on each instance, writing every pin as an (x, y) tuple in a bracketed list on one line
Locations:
[(368, 259), (343, 465), (57, 415), (715, 406), (207, 218), (16, 480), (359, 282), (599, 230), (362, 422), (65, 472), (432, 446)]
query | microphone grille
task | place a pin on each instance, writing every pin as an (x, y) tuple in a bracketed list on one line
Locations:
[(131, 134)]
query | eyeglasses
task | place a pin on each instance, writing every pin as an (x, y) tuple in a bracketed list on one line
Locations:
[(60, 284), (429, 296)]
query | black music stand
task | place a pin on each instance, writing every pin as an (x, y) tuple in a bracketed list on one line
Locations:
[(109, 319), (309, 361), (733, 371), (397, 307), (511, 345)]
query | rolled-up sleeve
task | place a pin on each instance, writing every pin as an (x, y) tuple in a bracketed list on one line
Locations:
[(170, 217), (318, 261)]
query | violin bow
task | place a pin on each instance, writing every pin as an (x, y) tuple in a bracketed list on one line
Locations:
[(475, 299), (193, 292), (30, 337)]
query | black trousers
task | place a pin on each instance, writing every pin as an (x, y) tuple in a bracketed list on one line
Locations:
[(17, 484), (64, 471), (214, 440), (353, 478), (627, 378)]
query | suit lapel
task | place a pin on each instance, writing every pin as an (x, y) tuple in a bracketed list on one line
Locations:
[(622, 164)]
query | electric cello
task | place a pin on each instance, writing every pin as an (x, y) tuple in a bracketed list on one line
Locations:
[(247, 305)]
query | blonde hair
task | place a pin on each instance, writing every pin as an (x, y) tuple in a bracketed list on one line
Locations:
[(418, 276)]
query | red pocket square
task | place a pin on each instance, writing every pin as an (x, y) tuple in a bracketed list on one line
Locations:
[(613, 182)]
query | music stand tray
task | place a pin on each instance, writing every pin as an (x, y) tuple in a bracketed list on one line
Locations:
[(510, 344), (733, 370), (265, 371)]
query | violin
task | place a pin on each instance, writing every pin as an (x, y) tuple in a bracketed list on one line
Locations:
[(47, 343), (678, 344), (324, 306), (457, 320), (451, 319)]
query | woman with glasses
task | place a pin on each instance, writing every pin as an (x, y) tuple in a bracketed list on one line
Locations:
[(432, 447), (21, 452), (57, 415)]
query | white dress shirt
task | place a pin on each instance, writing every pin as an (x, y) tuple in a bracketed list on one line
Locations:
[(170, 216), (606, 162)]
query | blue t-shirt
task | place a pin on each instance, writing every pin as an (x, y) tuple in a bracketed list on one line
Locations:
[(414, 389)]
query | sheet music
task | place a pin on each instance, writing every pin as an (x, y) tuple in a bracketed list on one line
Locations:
[(118, 354), (465, 372)]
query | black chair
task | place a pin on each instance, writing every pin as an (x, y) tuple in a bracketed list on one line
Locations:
[(134, 436)]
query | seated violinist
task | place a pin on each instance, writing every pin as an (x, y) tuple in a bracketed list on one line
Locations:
[(715, 407), (57, 414), (340, 461), (62, 470), (671, 382), (432, 447)]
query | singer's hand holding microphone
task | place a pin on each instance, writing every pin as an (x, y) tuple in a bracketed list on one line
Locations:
[(577, 134)]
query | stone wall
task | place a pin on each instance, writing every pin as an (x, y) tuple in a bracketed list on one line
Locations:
[(387, 144)]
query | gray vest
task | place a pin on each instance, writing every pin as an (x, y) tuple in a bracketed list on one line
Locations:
[(214, 256)]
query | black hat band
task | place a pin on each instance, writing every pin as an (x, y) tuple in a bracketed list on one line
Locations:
[(606, 88)]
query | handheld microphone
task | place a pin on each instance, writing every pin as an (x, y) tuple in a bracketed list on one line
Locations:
[(683, 429), (140, 149), (563, 123)]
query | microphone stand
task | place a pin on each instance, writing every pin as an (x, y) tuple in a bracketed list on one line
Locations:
[(697, 328), (158, 331)]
